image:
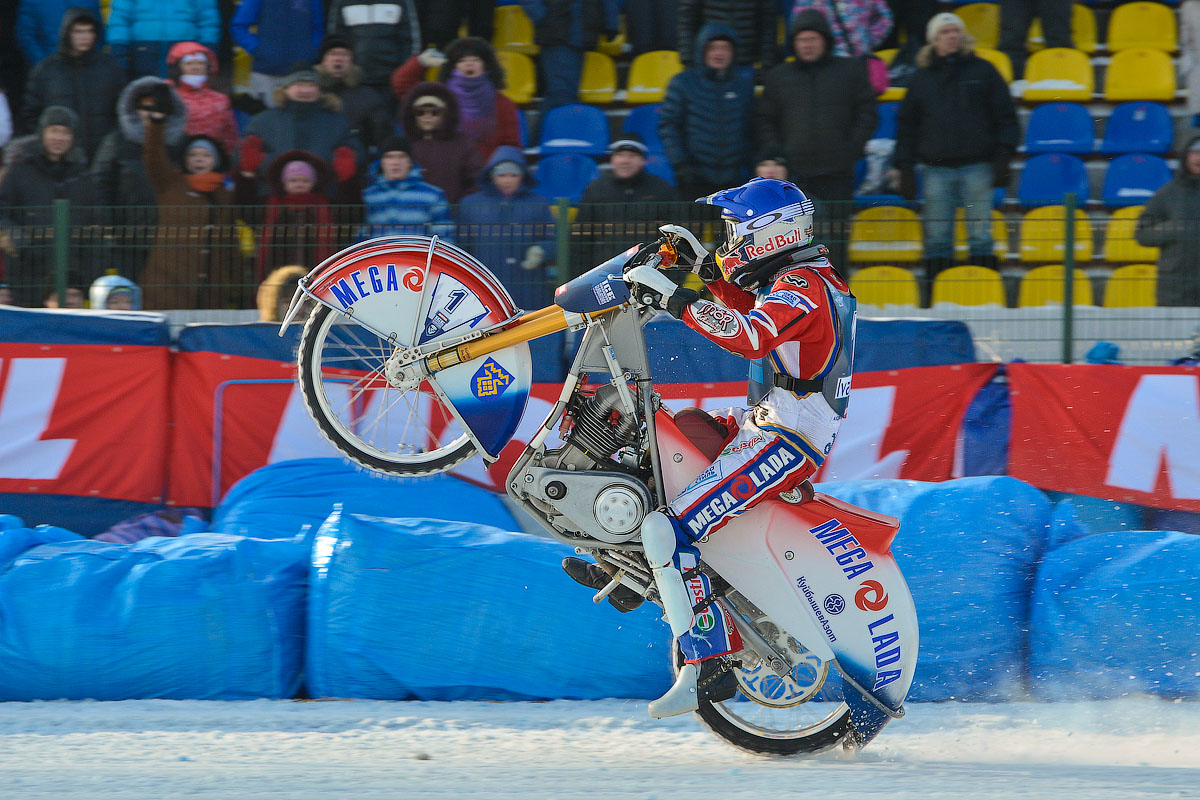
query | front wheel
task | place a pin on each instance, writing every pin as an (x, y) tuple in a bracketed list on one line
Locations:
[(396, 430)]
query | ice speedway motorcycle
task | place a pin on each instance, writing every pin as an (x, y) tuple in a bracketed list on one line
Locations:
[(414, 358)]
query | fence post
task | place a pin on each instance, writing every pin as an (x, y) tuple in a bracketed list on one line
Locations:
[(62, 243), (1068, 333)]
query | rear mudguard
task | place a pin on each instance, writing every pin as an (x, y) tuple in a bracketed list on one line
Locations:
[(824, 572)]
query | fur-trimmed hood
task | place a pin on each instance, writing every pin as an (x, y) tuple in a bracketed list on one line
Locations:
[(330, 101), (25, 149), (925, 55), (280, 283), (474, 46), (353, 79), (131, 123), (408, 118), (274, 173)]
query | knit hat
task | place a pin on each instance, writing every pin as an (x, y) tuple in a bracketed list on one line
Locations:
[(58, 115), (629, 142), (395, 143), (298, 169), (205, 144), (939, 21), (506, 168), (300, 72), (334, 41)]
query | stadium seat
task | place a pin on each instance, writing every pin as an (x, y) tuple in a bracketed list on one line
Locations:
[(1142, 25), (1133, 179), (575, 128), (598, 83), (1059, 73), (1140, 73), (1060, 128), (886, 128), (982, 21), (520, 77), (893, 94), (657, 164), (1043, 286), (882, 198), (1131, 286), (242, 63), (1048, 177), (1042, 235), (1083, 30), (565, 175), (1138, 127), (885, 286), (1119, 244), (969, 286), (643, 120), (649, 75), (615, 46), (513, 30), (962, 247), (522, 128), (885, 234), (997, 59)]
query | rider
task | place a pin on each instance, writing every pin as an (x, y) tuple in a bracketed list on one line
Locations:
[(784, 304)]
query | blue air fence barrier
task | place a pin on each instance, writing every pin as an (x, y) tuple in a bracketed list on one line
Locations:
[(1114, 614), (433, 610), (205, 616)]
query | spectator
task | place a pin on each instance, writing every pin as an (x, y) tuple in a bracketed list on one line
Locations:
[(285, 32), (398, 202), (959, 121), (140, 32), (382, 35), (275, 293), (448, 159), (441, 19), (1171, 220), (114, 293), (772, 166), (209, 111), (651, 25), (472, 72), (756, 23), (195, 259), (364, 107), (1189, 56), (39, 25), (621, 206), (508, 227), (911, 17), (298, 228), (819, 112), (1015, 19), (565, 30), (74, 293), (705, 121), (78, 76), (859, 26), (40, 169)]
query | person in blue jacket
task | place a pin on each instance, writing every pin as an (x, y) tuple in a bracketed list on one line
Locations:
[(398, 202), (508, 226), (140, 32), (38, 24), (286, 31)]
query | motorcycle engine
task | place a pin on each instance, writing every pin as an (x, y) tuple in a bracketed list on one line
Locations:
[(601, 428)]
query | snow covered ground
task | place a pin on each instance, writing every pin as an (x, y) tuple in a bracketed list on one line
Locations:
[(1135, 748)]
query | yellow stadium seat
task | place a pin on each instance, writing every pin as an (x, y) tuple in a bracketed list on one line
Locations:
[(598, 83), (999, 235), (1131, 286), (997, 59), (893, 93), (615, 46), (1043, 286), (513, 31), (1059, 73), (969, 286), (649, 75), (520, 77), (1140, 73), (1042, 235), (1119, 244), (241, 70), (1142, 25), (885, 234), (1083, 30), (982, 21), (885, 286)]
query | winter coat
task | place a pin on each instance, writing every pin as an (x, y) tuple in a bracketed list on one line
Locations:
[(499, 231), (195, 258), (286, 32), (408, 207), (570, 23), (449, 160), (318, 127), (866, 23), (297, 228), (754, 20), (364, 107), (705, 125), (957, 111), (88, 84), (1171, 220), (615, 213), (39, 25), (384, 34), (209, 112), (132, 21), (118, 169), (818, 115)]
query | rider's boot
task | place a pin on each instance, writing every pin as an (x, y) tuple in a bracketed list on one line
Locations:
[(585, 573), (658, 541)]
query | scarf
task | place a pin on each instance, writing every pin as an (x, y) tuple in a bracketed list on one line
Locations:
[(205, 182), (476, 103)]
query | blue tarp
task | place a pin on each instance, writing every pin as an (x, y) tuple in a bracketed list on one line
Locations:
[(40, 326)]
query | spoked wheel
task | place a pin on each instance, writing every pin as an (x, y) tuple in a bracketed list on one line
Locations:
[(401, 430)]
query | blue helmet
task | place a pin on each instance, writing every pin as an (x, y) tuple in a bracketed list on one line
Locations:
[(763, 218)]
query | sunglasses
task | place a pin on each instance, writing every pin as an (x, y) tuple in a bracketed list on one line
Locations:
[(429, 112)]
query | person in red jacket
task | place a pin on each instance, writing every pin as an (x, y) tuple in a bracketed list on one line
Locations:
[(783, 304), (209, 112)]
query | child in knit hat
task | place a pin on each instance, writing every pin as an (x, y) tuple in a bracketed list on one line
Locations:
[(298, 225)]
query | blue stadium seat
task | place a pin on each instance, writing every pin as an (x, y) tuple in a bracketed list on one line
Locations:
[(1133, 179), (1060, 128), (643, 120), (1048, 177), (565, 175), (657, 164), (883, 198), (522, 128), (886, 129), (1138, 127), (575, 128)]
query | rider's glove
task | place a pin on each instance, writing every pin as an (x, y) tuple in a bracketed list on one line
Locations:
[(654, 289), (691, 253)]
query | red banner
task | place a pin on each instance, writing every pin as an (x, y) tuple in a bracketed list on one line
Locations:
[(1124, 433)]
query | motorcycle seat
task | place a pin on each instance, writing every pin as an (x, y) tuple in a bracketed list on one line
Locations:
[(705, 433)]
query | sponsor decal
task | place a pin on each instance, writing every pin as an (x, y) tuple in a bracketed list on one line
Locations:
[(727, 499), (720, 321), (843, 388), (844, 548), (790, 298), (887, 650), (805, 206), (737, 448), (796, 236), (456, 306), (835, 604), (871, 596), (490, 380), (604, 293), (802, 585), (374, 280), (709, 475), (795, 280)]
